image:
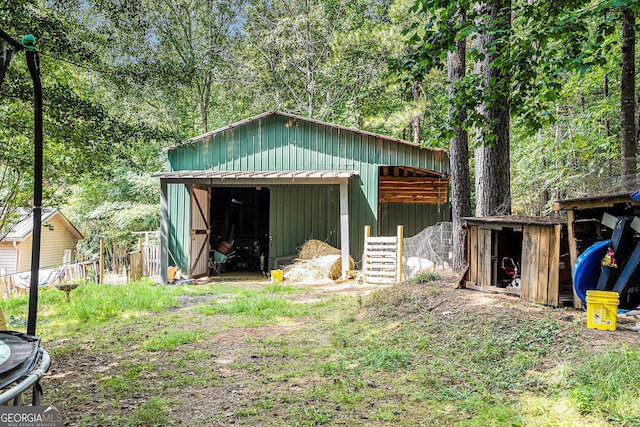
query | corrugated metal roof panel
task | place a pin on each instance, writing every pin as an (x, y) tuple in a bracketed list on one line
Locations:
[(519, 219), (24, 225), (292, 116), (258, 175)]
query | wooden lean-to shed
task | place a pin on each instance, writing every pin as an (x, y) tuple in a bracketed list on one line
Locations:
[(584, 220), (273, 181), (537, 246)]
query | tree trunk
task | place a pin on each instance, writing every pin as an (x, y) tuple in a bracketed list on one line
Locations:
[(458, 156), (493, 175), (605, 94), (627, 100), (415, 121)]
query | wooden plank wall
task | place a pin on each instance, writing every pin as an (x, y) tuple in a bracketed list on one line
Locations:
[(481, 257), (412, 190), (485, 258), (553, 291), (473, 254), (540, 266), (529, 274)]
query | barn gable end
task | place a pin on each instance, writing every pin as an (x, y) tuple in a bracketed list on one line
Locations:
[(301, 208)]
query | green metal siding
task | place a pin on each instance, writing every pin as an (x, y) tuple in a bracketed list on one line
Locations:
[(278, 143), (301, 213), (179, 233), (281, 143)]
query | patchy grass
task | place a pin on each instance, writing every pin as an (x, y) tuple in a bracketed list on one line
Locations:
[(153, 412), (91, 304), (425, 277), (601, 387), (169, 340), (421, 354)]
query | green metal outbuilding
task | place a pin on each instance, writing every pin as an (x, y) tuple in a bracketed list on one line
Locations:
[(269, 183)]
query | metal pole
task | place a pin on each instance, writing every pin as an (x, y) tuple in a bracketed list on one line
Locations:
[(164, 233), (101, 276), (34, 69)]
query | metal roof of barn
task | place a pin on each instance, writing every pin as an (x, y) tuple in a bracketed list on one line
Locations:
[(254, 177), (295, 117)]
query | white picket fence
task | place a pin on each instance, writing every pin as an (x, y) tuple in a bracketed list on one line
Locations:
[(150, 260), (17, 284)]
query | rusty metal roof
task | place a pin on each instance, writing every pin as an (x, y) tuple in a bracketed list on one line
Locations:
[(520, 219)]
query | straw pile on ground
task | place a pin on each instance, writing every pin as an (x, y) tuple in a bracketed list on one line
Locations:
[(317, 262)]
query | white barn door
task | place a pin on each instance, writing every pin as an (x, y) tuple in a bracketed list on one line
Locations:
[(200, 230)]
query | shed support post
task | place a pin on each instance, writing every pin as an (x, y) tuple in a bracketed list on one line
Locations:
[(400, 248), (164, 234), (573, 251), (344, 226)]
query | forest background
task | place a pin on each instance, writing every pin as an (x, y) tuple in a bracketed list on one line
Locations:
[(124, 78)]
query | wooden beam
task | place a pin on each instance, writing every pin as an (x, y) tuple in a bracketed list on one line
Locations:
[(164, 232), (344, 226), (480, 278), (395, 180), (594, 202), (473, 253), (573, 252), (413, 190), (427, 199), (400, 243), (553, 297), (399, 171), (544, 245)]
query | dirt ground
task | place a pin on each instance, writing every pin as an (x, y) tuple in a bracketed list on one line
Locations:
[(232, 354)]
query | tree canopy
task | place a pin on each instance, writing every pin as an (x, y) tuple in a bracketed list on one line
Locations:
[(122, 79)]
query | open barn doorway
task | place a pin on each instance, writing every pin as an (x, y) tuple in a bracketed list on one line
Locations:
[(239, 228)]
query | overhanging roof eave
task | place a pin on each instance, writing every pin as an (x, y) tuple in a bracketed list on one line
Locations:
[(256, 177), (266, 181)]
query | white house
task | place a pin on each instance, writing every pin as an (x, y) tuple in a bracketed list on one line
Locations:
[(57, 244)]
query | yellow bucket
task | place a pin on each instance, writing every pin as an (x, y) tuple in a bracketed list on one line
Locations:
[(602, 310), (276, 276)]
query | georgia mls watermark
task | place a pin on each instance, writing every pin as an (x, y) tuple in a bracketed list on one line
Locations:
[(31, 416)]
